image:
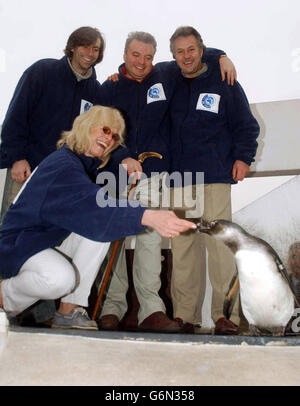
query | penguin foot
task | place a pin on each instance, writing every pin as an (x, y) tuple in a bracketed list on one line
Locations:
[(253, 331), (277, 331)]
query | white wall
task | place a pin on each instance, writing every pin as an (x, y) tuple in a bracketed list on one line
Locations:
[(275, 217), (278, 141)]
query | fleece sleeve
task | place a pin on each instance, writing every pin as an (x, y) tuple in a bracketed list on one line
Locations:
[(243, 125), (75, 203), (16, 125), (212, 55)]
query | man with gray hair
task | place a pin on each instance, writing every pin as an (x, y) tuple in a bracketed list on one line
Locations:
[(146, 131), (214, 132), (142, 92)]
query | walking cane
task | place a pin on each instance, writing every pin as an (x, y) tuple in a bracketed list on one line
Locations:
[(141, 159)]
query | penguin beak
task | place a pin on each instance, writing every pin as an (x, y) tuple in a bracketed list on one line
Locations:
[(203, 226)]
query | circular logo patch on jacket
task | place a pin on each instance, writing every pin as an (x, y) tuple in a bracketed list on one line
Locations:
[(156, 93), (208, 102)]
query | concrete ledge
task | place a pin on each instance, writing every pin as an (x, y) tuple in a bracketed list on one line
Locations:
[(289, 340), (134, 360)]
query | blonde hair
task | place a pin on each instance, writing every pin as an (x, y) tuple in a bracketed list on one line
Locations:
[(78, 138)]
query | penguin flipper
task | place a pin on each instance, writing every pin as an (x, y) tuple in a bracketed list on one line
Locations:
[(231, 296)]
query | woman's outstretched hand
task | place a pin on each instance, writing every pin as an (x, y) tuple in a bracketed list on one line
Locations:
[(166, 223)]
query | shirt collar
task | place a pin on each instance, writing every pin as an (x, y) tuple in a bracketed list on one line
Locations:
[(123, 71), (80, 77)]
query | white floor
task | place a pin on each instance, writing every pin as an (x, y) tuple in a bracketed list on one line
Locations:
[(55, 360)]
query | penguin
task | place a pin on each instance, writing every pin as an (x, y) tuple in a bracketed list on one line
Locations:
[(267, 296)]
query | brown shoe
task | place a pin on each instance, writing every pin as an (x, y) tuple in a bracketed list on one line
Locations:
[(109, 322), (160, 323), (187, 328), (225, 327)]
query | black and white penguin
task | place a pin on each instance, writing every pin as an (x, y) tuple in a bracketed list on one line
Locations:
[(267, 297)]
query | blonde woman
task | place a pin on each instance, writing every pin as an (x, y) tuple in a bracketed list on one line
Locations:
[(54, 237)]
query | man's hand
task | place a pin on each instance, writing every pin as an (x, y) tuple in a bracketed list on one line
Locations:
[(114, 77), (20, 171), (166, 223), (227, 67), (240, 170)]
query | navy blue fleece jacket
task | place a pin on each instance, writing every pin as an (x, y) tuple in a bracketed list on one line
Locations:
[(212, 127), (60, 198), (145, 106), (46, 101)]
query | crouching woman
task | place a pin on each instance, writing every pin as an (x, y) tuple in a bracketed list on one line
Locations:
[(54, 237)]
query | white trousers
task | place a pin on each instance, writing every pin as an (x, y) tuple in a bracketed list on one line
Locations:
[(68, 274)]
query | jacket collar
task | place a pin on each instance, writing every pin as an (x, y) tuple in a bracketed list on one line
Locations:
[(67, 67), (90, 164), (122, 72)]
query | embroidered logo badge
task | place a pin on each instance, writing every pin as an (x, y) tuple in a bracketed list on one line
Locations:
[(208, 102), (85, 106), (156, 93)]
